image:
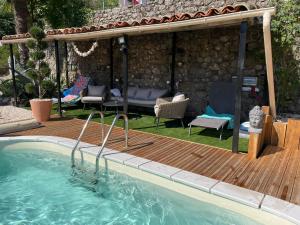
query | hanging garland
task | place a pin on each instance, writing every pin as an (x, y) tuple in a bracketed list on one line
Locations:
[(85, 54)]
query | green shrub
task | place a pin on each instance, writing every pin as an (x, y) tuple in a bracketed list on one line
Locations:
[(39, 69)]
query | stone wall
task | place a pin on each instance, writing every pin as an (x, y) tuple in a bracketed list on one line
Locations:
[(202, 57)]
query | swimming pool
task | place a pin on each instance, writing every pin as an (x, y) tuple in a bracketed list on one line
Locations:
[(37, 187)]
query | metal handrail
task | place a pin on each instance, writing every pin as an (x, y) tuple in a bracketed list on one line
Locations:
[(117, 117), (82, 132)]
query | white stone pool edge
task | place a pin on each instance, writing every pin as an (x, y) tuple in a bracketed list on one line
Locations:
[(257, 206)]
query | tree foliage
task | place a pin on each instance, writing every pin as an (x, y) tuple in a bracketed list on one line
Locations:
[(6, 19), (102, 4), (57, 13), (285, 30)]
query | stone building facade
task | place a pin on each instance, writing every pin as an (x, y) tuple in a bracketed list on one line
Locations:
[(202, 57)]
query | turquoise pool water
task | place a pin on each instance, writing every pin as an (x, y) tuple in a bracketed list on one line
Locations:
[(37, 187)]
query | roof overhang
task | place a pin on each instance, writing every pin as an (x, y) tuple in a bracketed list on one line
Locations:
[(185, 25)]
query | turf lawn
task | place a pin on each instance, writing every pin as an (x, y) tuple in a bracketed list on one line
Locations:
[(144, 121)]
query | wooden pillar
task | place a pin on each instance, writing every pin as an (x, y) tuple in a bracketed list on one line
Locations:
[(58, 77), (12, 65), (238, 87), (269, 62), (173, 63), (66, 65), (111, 63), (124, 49)]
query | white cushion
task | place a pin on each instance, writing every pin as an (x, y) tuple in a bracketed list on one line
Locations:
[(178, 98), (156, 107), (91, 99)]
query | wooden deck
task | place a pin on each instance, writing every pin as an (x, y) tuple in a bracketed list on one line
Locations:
[(276, 172)]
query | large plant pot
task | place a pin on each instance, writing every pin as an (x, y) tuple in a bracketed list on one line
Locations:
[(41, 109)]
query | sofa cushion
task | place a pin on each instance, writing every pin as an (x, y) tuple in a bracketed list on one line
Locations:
[(91, 99), (115, 92), (131, 92), (139, 102), (178, 98), (157, 93), (143, 93), (96, 90)]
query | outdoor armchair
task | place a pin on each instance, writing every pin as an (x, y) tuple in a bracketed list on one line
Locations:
[(170, 109), (93, 95)]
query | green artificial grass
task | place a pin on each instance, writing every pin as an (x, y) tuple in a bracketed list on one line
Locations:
[(171, 128)]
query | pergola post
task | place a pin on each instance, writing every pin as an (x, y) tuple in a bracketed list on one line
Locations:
[(123, 41), (238, 86), (12, 65), (269, 63), (173, 63), (111, 63), (58, 77), (66, 64)]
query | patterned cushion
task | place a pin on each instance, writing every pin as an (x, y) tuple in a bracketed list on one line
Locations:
[(80, 84)]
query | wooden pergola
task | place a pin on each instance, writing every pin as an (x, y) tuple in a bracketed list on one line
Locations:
[(241, 18)]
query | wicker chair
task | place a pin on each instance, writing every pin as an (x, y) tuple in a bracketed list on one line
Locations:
[(165, 108)]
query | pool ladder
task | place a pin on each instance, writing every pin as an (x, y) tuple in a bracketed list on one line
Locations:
[(103, 140)]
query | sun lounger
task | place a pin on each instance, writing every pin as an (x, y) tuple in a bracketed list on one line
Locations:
[(220, 109), (218, 124)]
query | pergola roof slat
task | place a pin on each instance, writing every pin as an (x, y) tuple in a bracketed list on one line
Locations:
[(189, 24)]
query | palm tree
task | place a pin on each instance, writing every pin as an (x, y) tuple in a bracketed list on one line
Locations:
[(21, 15)]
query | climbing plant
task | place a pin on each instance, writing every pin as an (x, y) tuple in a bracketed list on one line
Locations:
[(285, 31)]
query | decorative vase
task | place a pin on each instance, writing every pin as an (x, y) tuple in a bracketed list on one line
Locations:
[(41, 109)]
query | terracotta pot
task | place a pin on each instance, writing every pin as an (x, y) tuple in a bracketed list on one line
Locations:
[(41, 109)]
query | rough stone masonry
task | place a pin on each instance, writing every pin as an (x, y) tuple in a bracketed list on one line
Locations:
[(202, 57)]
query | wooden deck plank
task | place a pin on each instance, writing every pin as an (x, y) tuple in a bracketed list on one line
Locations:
[(277, 175), (276, 172), (263, 174), (246, 179), (295, 197), (287, 184)]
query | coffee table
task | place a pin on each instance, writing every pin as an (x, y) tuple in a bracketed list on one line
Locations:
[(114, 104), (218, 124)]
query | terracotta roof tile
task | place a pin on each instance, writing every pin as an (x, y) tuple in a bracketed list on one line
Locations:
[(145, 21)]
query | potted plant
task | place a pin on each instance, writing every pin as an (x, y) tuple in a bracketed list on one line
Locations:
[(39, 71)]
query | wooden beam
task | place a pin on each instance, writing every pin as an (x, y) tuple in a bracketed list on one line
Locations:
[(269, 62), (58, 77), (12, 65), (238, 88), (193, 24), (173, 63), (111, 62)]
